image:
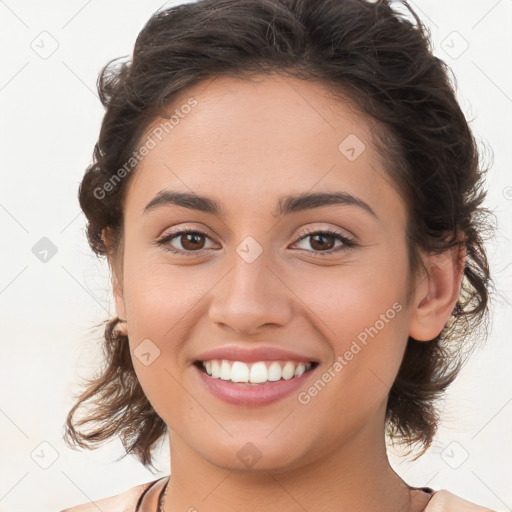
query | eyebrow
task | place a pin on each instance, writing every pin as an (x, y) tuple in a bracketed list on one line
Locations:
[(286, 205)]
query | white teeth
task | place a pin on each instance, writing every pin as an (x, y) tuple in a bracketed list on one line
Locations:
[(255, 373), (239, 371), (215, 369), (274, 371), (288, 370), (259, 373), (225, 371), (301, 368)]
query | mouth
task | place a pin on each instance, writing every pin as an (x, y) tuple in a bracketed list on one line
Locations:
[(255, 373)]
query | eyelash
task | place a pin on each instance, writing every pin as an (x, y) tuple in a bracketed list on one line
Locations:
[(348, 243)]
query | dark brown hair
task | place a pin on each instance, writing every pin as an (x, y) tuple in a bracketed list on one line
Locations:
[(367, 52)]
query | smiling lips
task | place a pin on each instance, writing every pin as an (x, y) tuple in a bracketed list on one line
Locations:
[(254, 373), (256, 365), (256, 376)]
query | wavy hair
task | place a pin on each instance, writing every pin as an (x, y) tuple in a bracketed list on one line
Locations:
[(383, 63)]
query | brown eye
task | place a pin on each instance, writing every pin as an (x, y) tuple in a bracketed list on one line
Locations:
[(190, 240), (323, 241), (319, 241)]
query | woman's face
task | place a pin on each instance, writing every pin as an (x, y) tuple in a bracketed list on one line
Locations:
[(247, 281)]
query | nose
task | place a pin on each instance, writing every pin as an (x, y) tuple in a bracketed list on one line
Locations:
[(250, 296)]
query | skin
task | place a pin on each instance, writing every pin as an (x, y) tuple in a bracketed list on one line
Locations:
[(246, 145)]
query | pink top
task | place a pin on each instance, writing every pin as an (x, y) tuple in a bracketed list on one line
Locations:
[(147, 497)]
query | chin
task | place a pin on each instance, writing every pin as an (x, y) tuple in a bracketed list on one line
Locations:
[(254, 454)]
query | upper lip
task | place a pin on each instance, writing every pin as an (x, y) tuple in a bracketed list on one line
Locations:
[(235, 353)]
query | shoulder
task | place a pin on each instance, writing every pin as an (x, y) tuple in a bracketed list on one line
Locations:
[(445, 501), (123, 502)]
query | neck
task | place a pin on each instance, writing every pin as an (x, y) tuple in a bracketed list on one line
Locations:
[(353, 477)]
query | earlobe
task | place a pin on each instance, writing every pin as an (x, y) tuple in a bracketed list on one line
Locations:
[(437, 295)]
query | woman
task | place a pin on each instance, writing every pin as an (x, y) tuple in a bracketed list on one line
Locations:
[(289, 198)]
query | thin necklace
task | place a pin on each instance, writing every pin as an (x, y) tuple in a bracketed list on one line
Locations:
[(161, 501)]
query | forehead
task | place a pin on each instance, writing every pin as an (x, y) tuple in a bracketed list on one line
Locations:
[(248, 143)]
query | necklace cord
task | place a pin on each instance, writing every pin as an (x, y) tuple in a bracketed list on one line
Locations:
[(163, 494)]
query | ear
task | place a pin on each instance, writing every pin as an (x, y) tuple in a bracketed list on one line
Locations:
[(117, 288), (437, 293), (116, 274)]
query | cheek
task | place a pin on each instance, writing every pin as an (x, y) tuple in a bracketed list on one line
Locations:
[(357, 301), (160, 301), (160, 297), (364, 318)]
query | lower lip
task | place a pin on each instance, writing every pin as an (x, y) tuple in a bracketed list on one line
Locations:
[(240, 393)]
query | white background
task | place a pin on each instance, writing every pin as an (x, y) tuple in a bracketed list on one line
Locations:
[(50, 119)]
